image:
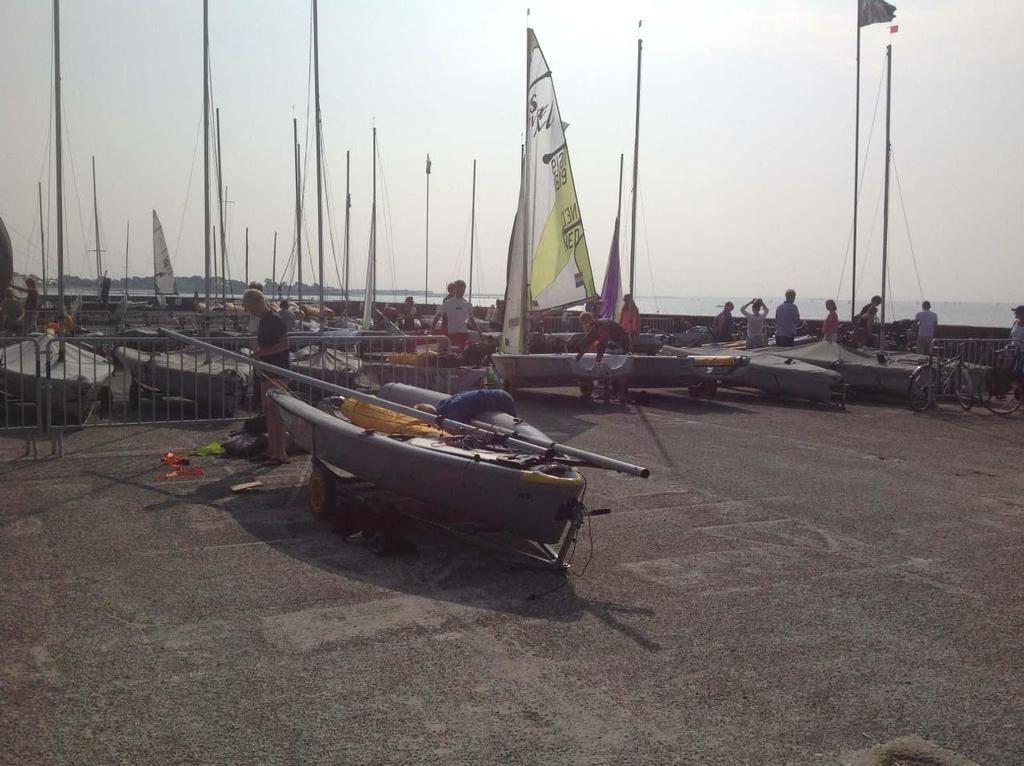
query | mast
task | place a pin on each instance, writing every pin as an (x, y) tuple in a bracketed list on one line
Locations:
[(319, 193), (206, 146), (348, 208), (636, 165), (885, 208), (524, 293), (214, 259), (856, 182), (247, 257), (472, 233), (127, 235), (96, 223), (373, 230), (60, 165), (223, 232), (42, 242), (273, 268), (426, 241), (298, 204)]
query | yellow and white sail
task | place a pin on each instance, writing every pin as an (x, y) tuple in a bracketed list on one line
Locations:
[(549, 266)]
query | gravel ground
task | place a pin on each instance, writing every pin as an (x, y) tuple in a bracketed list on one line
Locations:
[(793, 585)]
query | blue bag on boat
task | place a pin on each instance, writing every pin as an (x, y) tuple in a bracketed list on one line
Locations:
[(468, 405)]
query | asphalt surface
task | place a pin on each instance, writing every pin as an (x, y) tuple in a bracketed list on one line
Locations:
[(793, 585)]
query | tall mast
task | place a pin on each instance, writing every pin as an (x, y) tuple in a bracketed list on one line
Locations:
[(348, 208), (60, 164), (206, 147), (319, 193), (127, 235), (373, 230), (524, 293), (96, 223), (42, 242), (223, 231), (298, 203), (247, 257), (636, 165), (856, 180), (426, 242), (214, 260), (273, 269), (885, 208), (472, 233)]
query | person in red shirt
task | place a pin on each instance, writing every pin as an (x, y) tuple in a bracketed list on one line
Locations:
[(629, 317), (599, 333), (830, 327)]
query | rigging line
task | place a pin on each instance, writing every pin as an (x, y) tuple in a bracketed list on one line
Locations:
[(647, 244), (188, 190), (454, 273), (74, 176), (389, 234), (906, 223), (331, 225), (863, 171), (871, 234)]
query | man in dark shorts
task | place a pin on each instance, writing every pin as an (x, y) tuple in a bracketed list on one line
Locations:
[(599, 333), (271, 348)]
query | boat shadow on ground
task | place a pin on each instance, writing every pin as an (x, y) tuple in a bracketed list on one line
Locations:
[(441, 567)]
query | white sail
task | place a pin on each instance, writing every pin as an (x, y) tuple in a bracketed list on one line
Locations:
[(549, 266), (370, 294), (163, 273)]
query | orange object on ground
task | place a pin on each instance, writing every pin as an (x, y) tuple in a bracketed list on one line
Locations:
[(182, 467)]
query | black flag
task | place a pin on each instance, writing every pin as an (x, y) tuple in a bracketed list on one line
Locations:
[(875, 12)]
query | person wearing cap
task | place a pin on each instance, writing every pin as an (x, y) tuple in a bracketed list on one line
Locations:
[(1017, 329), (927, 320), (271, 348)]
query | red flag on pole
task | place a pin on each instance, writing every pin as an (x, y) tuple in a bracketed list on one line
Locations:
[(894, 29)]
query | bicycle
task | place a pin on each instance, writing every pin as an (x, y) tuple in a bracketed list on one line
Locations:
[(949, 378), (1002, 389)]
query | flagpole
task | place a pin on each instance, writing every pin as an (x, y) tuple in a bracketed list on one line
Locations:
[(885, 208), (856, 181)]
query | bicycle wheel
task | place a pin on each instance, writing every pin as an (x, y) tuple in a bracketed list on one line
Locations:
[(922, 383), (1001, 393), (963, 386)]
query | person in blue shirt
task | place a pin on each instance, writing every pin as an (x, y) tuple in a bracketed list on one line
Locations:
[(722, 329), (787, 320)]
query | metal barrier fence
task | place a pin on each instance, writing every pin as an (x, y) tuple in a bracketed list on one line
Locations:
[(970, 367), (50, 384)]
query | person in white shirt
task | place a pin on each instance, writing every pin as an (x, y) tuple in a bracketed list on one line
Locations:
[(457, 313), (927, 320), (787, 320)]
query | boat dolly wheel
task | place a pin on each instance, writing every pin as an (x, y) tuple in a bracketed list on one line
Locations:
[(322, 490)]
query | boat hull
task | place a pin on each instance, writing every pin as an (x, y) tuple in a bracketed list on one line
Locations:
[(528, 503), (75, 379), (218, 386)]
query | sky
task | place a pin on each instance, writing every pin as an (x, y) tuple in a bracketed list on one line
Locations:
[(746, 136)]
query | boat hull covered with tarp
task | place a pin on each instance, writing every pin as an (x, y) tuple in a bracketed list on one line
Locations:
[(334, 365), (447, 380), (775, 374), (861, 369), (75, 376), (635, 370), (520, 493), (217, 385)]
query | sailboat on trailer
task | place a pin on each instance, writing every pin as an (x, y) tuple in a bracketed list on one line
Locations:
[(549, 263)]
